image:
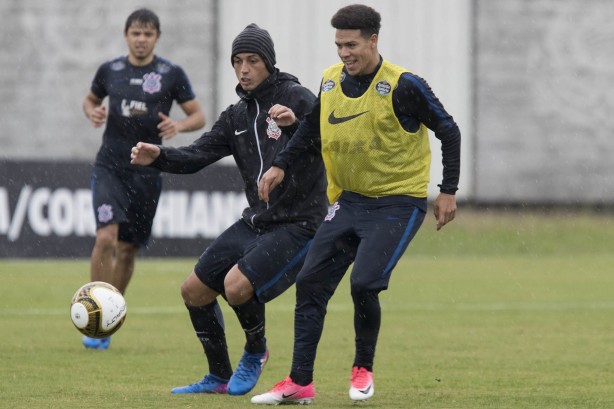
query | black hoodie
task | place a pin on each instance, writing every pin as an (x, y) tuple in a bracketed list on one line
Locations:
[(245, 131)]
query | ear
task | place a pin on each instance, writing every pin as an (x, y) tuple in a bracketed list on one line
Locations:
[(373, 40)]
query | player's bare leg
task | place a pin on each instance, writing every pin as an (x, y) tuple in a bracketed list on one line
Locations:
[(237, 287), (101, 262), (125, 253), (113, 263), (195, 293)]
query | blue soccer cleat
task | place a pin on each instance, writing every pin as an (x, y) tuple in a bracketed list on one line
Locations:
[(96, 343), (248, 371), (209, 384)]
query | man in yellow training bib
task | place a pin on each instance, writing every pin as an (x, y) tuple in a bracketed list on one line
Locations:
[(370, 121)]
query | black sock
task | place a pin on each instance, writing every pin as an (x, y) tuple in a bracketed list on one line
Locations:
[(367, 321), (208, 322), (301, 378), (251, 317)]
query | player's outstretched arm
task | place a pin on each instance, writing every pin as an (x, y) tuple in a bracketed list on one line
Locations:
[(444, 209), (144, 154), (269, 181)]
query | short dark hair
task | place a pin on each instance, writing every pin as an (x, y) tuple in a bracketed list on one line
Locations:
[(357, 17), (145, 17)]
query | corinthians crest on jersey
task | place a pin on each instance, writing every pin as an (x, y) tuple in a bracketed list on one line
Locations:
[(152, 82)]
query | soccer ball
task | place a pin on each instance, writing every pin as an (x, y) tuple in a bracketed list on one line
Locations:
[(98, 309)]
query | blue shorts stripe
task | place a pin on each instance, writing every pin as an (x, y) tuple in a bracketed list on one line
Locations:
[(398, 252), (297, 259)]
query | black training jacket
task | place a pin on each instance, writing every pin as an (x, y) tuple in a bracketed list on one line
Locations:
[(246, 131)]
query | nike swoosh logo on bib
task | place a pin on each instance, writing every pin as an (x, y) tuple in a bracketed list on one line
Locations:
[(333, 120)]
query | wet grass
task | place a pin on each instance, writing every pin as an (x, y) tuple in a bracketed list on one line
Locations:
[(498, 310)]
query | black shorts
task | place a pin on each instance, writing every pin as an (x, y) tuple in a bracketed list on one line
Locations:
[(372, 233), (129, 199), (269, 259)]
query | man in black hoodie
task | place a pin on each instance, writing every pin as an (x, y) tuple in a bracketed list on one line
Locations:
[(259, 256)]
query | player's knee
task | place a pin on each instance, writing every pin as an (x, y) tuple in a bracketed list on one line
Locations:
[(189, 294), (196, 294), (363, 294), (185, 293), (237, 287), (238, 293), (301, 281), (304, 283), (105, 240), (126, 253)]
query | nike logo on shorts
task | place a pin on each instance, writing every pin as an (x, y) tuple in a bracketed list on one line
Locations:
[(333, 120)]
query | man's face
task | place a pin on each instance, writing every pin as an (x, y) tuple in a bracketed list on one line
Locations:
[(250, 70), (358, 54), (141, 40)]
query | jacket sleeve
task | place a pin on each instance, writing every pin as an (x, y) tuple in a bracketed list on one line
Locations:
[(209, 148), (300, 101), (306, 137)]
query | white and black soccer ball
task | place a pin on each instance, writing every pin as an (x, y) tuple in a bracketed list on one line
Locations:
[(98, 309)]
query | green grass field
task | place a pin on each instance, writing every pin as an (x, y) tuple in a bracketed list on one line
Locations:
[(499, 310)]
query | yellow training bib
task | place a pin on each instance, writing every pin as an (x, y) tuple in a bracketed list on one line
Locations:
[(364, 147)]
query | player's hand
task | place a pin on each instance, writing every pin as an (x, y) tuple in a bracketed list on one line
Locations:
[(98, 116), (282, 115), (444, 209), (144, 153), (269, 181), (168, 128)]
